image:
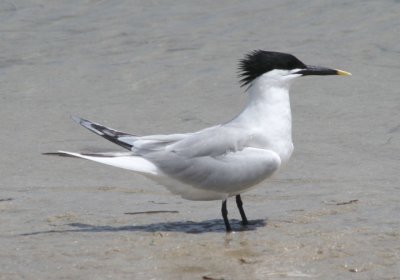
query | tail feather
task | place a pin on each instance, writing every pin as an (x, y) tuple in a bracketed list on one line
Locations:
[(118, 159), (120, 138)]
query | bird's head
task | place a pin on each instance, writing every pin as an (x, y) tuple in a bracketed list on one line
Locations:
[(278, 66)]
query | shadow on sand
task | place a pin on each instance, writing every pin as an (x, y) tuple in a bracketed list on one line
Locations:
[(215, 225)]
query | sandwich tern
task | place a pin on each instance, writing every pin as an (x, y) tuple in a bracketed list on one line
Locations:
[(227, 159)]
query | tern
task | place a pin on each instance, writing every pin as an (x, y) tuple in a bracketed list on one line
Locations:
[(227, 159)]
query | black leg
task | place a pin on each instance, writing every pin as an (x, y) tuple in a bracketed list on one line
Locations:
[(240, 206), (225, 216)]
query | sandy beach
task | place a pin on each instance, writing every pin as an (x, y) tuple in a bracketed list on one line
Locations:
[(171, 66)]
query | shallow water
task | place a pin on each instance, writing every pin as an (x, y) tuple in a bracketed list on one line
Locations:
[(170, 66)]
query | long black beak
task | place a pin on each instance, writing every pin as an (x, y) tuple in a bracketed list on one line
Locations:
[(318, 70)]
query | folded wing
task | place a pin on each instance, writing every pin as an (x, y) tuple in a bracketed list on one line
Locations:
[(226, 173)]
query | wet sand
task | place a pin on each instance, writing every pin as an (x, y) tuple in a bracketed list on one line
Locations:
[(147, 67)]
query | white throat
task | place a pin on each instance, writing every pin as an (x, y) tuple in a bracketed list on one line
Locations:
[(267, 115)]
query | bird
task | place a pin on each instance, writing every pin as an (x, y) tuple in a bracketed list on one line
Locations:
[(227, 159)]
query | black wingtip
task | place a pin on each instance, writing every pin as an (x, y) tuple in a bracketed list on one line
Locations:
[(105, 132)]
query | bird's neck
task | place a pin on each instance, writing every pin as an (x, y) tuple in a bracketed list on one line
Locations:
[(267, 116)]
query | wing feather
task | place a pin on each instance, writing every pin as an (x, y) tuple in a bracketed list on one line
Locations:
[(228, 173)]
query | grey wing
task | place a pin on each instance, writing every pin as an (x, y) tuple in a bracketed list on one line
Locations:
[(150, 143), (227, 173), (213, 141)]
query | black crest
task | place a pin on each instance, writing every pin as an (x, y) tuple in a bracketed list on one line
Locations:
[(259, 62)]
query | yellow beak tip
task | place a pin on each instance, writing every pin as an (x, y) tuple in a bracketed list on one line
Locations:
[(343, 73)]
